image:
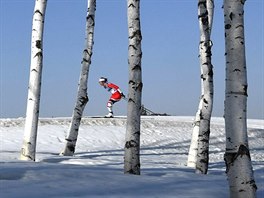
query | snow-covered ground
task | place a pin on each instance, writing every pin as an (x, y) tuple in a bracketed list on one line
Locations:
[(96, 170)]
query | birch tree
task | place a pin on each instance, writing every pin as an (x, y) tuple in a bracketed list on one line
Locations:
[(82, 95), (237, 156), (199, 149), (132, 139), (207, 97), (28, 151)]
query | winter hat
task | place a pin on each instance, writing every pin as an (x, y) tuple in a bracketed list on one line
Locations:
[(102, 79)]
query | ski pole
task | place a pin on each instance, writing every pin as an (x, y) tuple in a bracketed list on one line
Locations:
[(142, 106)]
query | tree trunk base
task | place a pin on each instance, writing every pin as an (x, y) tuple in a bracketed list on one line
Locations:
[(240, 173), (68, 150)]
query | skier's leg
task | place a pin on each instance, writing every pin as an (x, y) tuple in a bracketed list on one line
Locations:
[(114, 98), (110, 108)]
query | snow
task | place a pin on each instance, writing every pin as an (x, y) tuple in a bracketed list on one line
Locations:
[(96, 170)]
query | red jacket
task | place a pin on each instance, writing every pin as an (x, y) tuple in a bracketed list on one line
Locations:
[(114, 89)]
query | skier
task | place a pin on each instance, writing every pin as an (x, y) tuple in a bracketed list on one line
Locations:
[(116, 96)]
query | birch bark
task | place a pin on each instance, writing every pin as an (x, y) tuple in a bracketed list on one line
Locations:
[(28, 151), (199, 149), (82, 95), (132, 139), (207, 81), (237, 157)]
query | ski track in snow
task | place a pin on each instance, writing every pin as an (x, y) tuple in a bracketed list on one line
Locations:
[(96, 169)]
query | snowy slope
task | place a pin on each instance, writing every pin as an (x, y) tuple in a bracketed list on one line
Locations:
[(97, 168)]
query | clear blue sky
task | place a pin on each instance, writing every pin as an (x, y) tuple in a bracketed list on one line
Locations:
[(170, 63)]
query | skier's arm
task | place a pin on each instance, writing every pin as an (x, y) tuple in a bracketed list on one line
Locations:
[(122, 95), (113, 86)]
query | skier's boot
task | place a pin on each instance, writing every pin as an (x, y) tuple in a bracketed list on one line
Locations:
[(109, 115)]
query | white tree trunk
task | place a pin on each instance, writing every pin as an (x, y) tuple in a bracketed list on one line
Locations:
[(192, 156), (210, 10), (207, 81), (132, 145), (237, 157), (82, 97), (199, 149), (28, 151)]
